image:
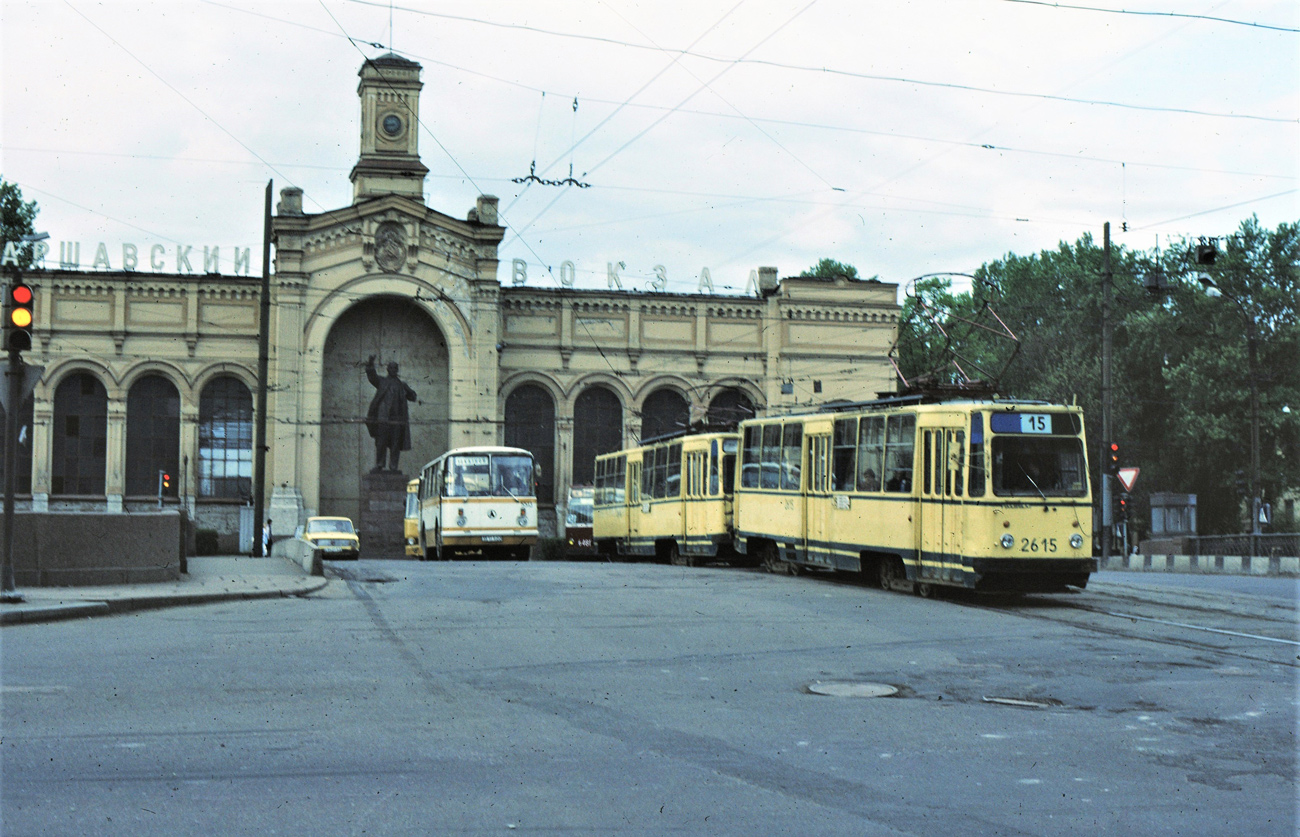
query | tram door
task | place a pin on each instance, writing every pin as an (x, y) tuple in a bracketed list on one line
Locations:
[(943, 454), (633, 502), (817, 497)]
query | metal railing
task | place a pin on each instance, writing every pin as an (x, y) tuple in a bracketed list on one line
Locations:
[(1276, 545)]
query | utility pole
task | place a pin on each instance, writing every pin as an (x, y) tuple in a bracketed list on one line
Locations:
[(1107, 512), (263, 361)]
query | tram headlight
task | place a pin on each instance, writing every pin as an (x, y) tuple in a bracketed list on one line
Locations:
[(1076, 540), (1008, 542)]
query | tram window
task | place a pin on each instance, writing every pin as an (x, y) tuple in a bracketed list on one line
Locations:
[(713, 467), (659, 478), (791, 456), (871, 453), (752, 457), (900, 445), (1026, 466), (673, 471), (618, 480), (956, 457), (843, 456), (927, 443), (771, 463), (977, 455), (648, 473), (728, 466)]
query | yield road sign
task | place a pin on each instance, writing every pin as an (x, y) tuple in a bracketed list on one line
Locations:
[(1128, 476)]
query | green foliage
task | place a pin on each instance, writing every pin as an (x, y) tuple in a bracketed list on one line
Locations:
[(16, 217), (1181, 371), (830, 269)]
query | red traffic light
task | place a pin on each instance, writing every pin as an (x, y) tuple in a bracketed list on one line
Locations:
[(18, 322)]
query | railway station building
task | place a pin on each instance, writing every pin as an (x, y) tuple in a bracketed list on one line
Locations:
[(153, 373)]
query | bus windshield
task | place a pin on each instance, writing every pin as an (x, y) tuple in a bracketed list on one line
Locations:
[(502, 475), (1038, 467)]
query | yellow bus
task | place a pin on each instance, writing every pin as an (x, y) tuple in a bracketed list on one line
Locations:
[(669, 499), (478, 502), (411, 520), (986, 495)]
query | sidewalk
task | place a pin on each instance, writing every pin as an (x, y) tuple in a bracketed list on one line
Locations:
[(210, 579)]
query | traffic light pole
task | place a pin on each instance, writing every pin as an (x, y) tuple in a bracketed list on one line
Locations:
[(14, 380)]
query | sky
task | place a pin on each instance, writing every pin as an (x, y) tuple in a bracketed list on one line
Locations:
[(905, 138)]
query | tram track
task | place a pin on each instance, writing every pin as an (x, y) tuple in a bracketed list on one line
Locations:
[(1238, 626)]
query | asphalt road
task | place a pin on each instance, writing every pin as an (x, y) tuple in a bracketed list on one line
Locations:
[(496, 698)]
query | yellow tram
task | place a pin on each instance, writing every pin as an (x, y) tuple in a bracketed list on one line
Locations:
[(987, 495), (669, 499)]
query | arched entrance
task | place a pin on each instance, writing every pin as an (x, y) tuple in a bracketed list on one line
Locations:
[(391, 329)]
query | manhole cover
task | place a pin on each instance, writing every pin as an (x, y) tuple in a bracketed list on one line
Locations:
[(845, 689)]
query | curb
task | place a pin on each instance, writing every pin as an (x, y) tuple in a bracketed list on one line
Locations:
[(30, 614)]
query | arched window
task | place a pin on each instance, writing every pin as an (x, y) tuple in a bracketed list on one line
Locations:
[(664, 411), (729, 408), (225, 439), (23, 485), (530, 424), (80, 441), (597, 429), (153, 435)]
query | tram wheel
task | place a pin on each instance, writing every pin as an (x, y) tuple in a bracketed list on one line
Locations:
[(770, 562), (890, 572), (675, 556), (925, 591)]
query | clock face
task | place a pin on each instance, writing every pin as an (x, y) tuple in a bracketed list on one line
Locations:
[(392, 124)]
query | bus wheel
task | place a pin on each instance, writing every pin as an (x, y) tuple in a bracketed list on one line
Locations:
[(891, 572)]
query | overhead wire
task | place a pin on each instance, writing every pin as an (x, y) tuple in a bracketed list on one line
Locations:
[(185, 98), (834, 71)]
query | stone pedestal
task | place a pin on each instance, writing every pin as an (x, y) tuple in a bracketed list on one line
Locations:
[(383, 505), (285, 511)]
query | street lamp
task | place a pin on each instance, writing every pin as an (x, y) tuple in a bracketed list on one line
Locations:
[(1214, 291)]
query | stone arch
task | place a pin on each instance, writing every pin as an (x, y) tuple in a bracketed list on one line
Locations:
[(726, 406), (223, 454), (391, 329), (529, 421), (79, 457), (153, 434), (598, 427), (446, 324), (664, 410)]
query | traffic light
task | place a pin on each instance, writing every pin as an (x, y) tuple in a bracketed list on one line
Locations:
[(164, 484), (1112, 458), (18, 317), (167, 481), (1123, 507)]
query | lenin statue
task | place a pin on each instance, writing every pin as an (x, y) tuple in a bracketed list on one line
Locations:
[(387, 419)]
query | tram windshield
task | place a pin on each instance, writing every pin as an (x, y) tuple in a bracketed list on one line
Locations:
[(1038, 467)]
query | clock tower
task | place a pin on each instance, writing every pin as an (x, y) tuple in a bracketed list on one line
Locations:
[(390, 110)]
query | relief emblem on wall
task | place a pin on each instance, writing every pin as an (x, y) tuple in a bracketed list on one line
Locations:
[(390, 246)]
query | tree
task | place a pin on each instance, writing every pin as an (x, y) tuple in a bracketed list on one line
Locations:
[(831, 269), (1180, 370), (16, 218)]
